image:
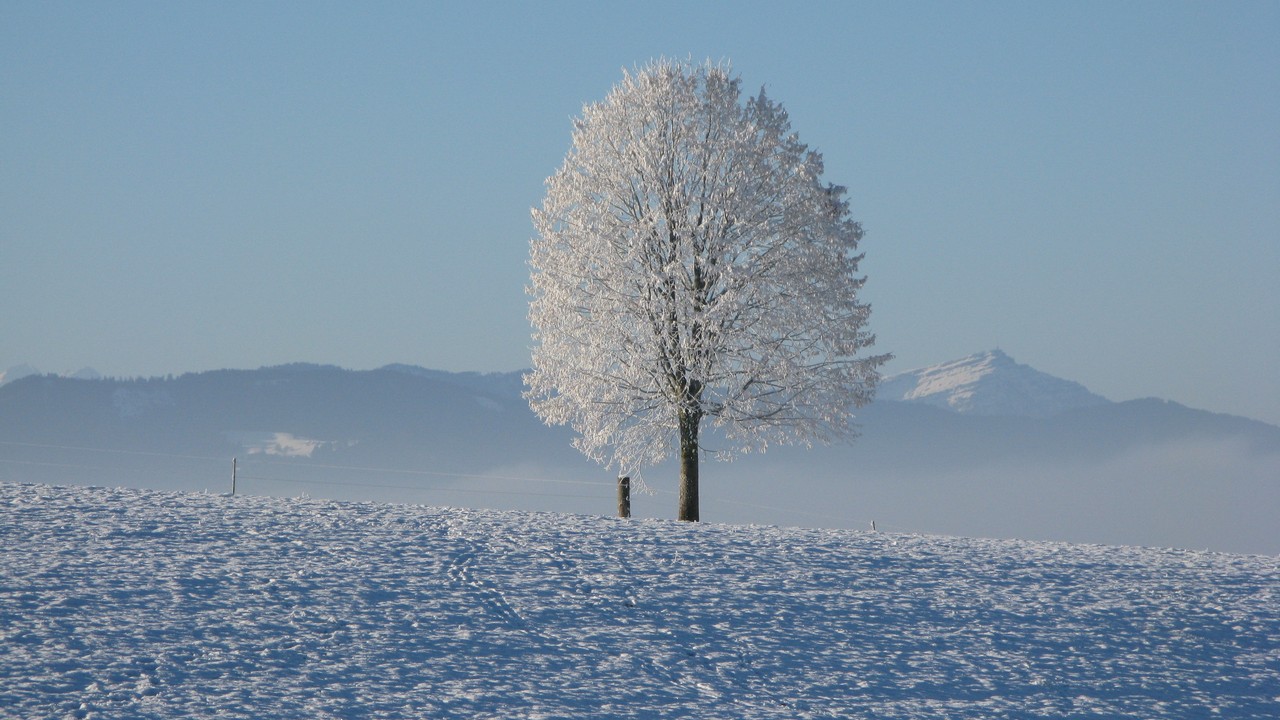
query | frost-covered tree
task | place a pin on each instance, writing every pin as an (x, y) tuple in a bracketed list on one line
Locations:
[(691, 267)]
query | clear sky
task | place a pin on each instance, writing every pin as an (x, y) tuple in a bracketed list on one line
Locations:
[(1092, 187)]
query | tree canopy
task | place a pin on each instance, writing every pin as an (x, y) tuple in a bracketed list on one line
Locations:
[(691, 267)]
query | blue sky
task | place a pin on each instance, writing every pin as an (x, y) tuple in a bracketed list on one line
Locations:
[(1092, 187)]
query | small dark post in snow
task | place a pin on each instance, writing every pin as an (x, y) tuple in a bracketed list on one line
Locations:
[(233, 476), (873, 526), (624, 497)]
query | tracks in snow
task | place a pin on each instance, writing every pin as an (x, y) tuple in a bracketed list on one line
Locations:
[(460, 572), (604, 591)]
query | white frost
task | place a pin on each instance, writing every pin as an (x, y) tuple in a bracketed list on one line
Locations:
[(692, 266)]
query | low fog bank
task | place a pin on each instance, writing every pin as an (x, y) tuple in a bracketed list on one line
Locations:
[(1219, 495)]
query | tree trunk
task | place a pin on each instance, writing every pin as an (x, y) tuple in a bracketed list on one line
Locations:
[(689, 422)]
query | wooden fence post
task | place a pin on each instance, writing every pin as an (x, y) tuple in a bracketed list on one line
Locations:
[(624, 497)]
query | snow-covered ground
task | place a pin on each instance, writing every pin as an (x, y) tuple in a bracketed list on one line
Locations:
[(142, 604)]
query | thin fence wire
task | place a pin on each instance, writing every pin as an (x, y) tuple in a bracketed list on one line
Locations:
[(112, 451), (436, 473), (607, 488), (419, 488), (51, 464)]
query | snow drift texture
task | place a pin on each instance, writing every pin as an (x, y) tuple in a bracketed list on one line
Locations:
[(128, 603)]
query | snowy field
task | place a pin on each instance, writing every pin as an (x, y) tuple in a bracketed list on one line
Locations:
[(140, 604)]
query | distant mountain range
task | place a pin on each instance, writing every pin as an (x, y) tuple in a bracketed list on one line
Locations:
[(981, 446), (18, 372)]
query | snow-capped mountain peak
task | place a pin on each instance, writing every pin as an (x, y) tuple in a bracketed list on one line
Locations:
[(988, 383)]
